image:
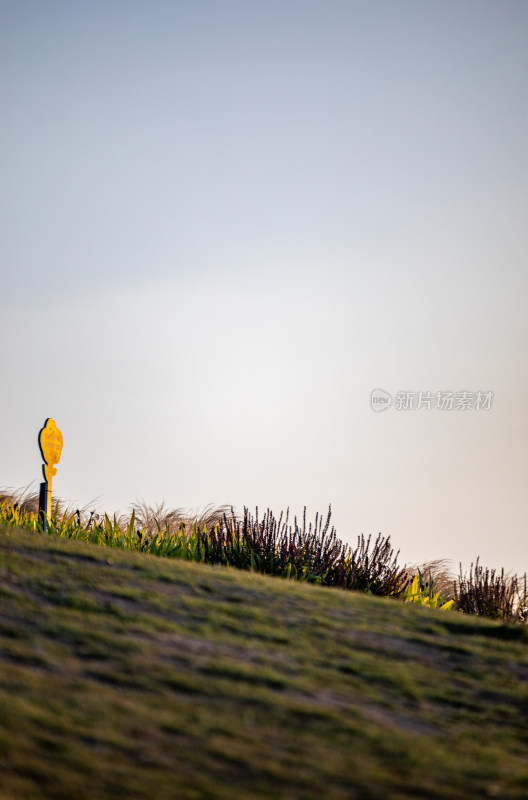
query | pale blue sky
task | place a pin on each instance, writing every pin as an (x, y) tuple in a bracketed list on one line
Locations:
[(224, 223)]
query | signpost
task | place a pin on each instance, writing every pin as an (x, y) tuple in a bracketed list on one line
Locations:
[(50, 443)]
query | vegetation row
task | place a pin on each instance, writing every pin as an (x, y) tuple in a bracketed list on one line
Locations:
[(305, 552)]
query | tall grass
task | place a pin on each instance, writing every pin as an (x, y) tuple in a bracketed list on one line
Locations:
[(270, 545), (310, 552), (152, 519), (274, 546), (490, 593)]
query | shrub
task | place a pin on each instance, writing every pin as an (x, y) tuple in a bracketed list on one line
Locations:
[(273, 546), (313, 553), (489, 593), (374, 571)]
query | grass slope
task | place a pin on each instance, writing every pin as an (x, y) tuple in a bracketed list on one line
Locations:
[(126, 675)]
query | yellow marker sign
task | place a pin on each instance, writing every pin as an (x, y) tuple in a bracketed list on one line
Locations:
[(50, 443)]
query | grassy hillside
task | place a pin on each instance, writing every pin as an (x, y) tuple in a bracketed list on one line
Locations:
[(122, 674)]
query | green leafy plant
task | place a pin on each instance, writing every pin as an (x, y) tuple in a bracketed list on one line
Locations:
[(422, 592)]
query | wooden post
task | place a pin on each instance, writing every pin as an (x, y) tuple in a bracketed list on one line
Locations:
[(50, 443)]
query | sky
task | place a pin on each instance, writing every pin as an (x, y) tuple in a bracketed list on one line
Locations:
[(224, 224)]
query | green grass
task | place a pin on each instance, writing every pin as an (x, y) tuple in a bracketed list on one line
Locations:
[(126, 675)]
